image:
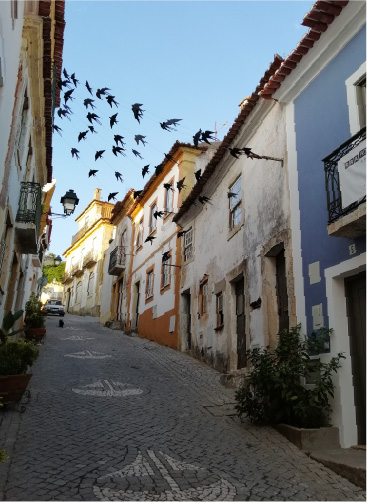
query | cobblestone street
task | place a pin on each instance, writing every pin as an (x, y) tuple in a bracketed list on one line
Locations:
[(113, 417)]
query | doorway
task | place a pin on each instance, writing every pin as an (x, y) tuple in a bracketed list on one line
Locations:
[(240, 323), (186, 320), (355, 292), (120, 297), (282, 294)]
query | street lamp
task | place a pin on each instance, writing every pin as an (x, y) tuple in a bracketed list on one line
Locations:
[(57, 260), (69, 201)]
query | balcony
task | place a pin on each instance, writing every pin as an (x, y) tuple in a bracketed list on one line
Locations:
[(37, 258), (117, 261), (67, 277), (28, 218), (77, 269), (345, 173), (90, 258)]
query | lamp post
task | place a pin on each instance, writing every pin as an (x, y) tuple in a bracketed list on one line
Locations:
[(69, 201)]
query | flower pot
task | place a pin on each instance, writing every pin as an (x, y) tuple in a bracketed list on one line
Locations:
[(323, 438), (35, 334), (12, 387)]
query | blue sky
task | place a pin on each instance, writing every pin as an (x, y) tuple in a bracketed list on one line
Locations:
[(188, 60)]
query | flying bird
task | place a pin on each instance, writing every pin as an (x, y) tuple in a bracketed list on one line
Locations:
[(137, 193), (197, 137), (231, 194), (203, 199), (169, 125), (91, 128), (118, 139), (180, 184), (74, 79), (206, 136), (137, 154), (119, 176), (166, 256), (118, 149), (65, 74), (62, 113), (100, 92), (181, 233), (198, 174), (158, 214), (82, 135), (112, 196), (159, 169), (113, 120), (168, 186), (111, 100), (93, 116), (57, 128), (137, 111), (170, 158), (99, 154), (92, 172), (236, 152), (63, 83), (90, 90), (149, 239), (139, 137), (145, 170), (75, 152), (68, 95), (89, 102)]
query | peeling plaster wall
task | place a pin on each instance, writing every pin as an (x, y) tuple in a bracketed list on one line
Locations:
[(226, 255)]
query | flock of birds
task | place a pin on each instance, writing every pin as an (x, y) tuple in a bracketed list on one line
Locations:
[(69, 83)]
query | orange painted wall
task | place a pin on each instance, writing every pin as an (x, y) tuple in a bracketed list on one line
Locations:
[(157, 329)]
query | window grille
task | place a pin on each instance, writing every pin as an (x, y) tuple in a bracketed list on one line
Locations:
[(188, 249), (235, 203)]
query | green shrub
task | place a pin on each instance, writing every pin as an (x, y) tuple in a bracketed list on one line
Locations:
[(15, 357), (33, 315), (274, 391)]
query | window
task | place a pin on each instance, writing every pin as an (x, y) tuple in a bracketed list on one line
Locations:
[(168, 199), (361, 99), (356, 99), (149, 287), (166, 273), (90, 284), (188, 245), (139, 238), (78, 292), (203, 297), (235, 203), (152, 219), (220, 313)]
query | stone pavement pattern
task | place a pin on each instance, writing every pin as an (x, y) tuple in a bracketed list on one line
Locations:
[(113, 417)]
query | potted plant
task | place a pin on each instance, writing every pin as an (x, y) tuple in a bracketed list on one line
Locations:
[(34, 319), (15, 358), (290, 389)]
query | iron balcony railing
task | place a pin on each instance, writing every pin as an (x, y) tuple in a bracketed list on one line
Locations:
[(90, 258), (332, 180), (30, 207), (117, 259)]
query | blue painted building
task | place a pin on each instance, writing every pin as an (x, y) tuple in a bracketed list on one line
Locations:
[(322, 84)]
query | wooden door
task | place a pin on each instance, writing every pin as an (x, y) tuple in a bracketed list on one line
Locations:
[(240, 323), (355, 292), (120, 298), (282, 294)]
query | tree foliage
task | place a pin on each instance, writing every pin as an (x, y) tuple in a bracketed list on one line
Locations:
[(52, 272)]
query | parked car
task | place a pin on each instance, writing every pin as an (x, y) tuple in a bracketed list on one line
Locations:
[(54, 307)]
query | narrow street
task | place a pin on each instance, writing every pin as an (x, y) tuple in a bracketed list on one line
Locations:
[(114, 417)]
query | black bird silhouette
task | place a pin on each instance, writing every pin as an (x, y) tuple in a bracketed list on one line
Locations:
[(197, 137), (91, 128), (137, 193), (159, 169), (173, 121), (206, 136), (158, 214), (111, 100), (203, 199), (100, 92), (169, 125), (168, 186), (236, 152), (118, 149), (137, 111), (67, 107), (170, 158), (88, 87), (74, 79), (119, 176), (62, 113), (113, 120), (68, 95), (181, 233), (149, 239), (232, 194), (180, 184), (57, 128), (166, 256), (118, 139), (137, 154), (246, 151), (139, 137), (112, 196), (82, 135), (99, 154), (198, 174), (145, 170), (63, 83), (65, 74), (92, 172), (89, 102), (75, 152), (93, 116)]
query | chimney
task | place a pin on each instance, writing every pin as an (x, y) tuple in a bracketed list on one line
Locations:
[(97, 194)]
